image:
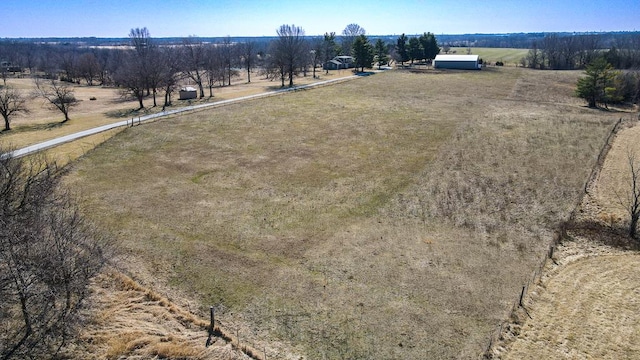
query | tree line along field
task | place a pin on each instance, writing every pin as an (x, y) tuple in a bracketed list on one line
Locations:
[(393, 216)]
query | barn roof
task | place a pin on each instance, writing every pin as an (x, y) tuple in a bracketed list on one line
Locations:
[(456, 57)]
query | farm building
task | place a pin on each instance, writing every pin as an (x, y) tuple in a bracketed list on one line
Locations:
[(187, 93), (467, 62)]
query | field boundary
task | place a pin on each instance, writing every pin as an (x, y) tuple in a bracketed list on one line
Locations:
[(559, 234)]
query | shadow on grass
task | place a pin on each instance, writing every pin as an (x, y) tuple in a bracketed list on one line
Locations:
[(127, 113), (611, 235), (33, 127)]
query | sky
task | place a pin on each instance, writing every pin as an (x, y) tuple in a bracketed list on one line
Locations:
[(173, 18)]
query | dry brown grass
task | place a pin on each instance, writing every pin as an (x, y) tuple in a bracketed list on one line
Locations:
[(395, 216), (127, 320)]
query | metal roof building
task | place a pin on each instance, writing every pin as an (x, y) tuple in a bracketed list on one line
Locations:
[(467, 62)]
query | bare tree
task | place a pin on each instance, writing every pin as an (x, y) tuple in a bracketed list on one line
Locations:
[(349, 35), (61, 96), (248, 50), (289, 50), (228, 52), (193, 56), (169, 72), (214, 67), (316, 55), (48, 254), (11, 102), (88, 67), (131, 78), (630, 200)]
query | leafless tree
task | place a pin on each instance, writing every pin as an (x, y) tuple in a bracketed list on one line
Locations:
[(248, 51), (48, 254), (289, 50), (131, 78), (11, 102), (228, 52), (214, 67), (349, 35), (194, 56), (60, 95), (88, 67), (169, 72), (630, 198)]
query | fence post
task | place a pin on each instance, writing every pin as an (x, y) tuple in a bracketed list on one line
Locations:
[(211, 327), (521, 297)]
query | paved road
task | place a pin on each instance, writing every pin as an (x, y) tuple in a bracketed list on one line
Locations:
[(67, 138)]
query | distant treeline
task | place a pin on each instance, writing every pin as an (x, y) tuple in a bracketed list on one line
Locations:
[(558, 52), (510, 40)]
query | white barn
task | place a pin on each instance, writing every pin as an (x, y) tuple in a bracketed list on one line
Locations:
[(466, 62)]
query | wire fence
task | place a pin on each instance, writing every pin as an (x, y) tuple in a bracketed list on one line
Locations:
[(559, 234)]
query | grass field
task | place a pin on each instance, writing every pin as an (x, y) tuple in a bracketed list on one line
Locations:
[(42, 123), (396, 216)]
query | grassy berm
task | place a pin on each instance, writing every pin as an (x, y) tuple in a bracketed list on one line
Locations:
[(394, 216)]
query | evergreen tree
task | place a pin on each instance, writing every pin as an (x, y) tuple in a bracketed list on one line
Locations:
[(429, 46), (401, 49), (598, 86), (415, 50), (362, 52), (382, 52)]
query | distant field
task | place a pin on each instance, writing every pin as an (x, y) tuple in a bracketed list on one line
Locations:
[(391, 217), (509, 56)]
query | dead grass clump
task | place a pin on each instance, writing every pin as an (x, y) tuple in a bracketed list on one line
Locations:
[(174, 350), (123, 344)]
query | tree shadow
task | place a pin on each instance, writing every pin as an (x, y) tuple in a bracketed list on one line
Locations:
[(126, 113), (613, 235), (33, 127)]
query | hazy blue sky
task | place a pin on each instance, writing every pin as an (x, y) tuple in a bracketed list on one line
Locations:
[(114, 18)]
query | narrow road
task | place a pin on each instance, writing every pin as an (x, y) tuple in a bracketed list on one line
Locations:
[(71, 137)]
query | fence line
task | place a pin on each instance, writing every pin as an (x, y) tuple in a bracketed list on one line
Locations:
[(559, 234)]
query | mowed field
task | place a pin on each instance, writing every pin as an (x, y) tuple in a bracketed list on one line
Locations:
[(393, 216)]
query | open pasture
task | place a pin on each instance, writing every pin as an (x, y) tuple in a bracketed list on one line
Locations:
[(394, 216)]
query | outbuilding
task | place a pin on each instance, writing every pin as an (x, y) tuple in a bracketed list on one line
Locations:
[(188, 92), (340, 62), (465, 62)]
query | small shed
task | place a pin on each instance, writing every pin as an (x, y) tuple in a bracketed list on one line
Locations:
[(465, 62), (188, 92)]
